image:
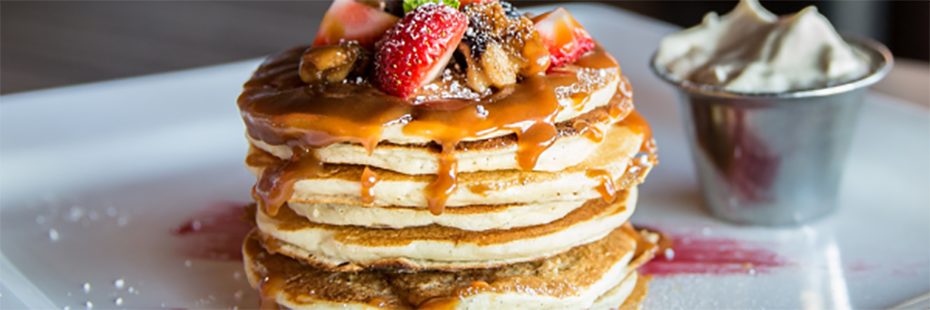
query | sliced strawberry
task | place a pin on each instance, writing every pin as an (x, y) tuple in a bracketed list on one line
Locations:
[(416, 50), (347, 20), (564, 37)]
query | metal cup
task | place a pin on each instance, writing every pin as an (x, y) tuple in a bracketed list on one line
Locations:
[(774, 158)]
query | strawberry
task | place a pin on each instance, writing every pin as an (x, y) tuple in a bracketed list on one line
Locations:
[(416, 50), (347, 20), (565, 39)]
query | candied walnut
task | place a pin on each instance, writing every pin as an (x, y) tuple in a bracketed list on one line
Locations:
[(494, 68), (499, 45), (334, 63)]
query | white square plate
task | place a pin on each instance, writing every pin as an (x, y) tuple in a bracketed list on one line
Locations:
[(111, 168)]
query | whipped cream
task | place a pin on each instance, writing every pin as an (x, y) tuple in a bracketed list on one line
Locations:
[(752, 50)]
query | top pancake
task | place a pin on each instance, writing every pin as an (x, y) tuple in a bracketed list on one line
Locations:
[(280, 109)]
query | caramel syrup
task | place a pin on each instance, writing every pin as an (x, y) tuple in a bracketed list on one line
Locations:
[(593, 133), (438, 192), (279, 109), (636, 123), (607, 189), (369, 179), (647, 250), (646, 157), (268, 290), (641, 161), (450, 302), (378, 302), (618, 108), (276, 183)]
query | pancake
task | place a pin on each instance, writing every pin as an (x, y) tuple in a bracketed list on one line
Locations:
[(475, 218), (617, 153), (629, 294), (577, 138), (571, 280), (539, 174), (348, 248), (635, 300), (276, 105)]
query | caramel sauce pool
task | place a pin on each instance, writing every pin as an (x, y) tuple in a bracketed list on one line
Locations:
[(280, 109)]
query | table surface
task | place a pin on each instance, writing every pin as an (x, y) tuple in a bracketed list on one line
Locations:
[(131, 151)]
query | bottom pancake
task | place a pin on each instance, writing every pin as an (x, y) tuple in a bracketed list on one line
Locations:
[(628, 294), (347, 248), (586, 276)]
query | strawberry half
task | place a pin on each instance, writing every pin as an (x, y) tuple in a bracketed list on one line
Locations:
[(347, 20), (564, 37), (416, 50)]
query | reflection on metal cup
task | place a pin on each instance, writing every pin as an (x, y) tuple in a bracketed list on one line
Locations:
[(774, 158)]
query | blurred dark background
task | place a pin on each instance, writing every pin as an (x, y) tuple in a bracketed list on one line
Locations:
[(53, 43)]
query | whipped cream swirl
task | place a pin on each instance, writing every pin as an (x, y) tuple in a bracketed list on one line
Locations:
[(752, 50)]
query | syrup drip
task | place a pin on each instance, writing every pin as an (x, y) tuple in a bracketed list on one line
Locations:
[(483, 189), (607, 189), (450, 302), (645, 250), (646, 157), (279, 109), (535, 128), (622, 108), (369, 179), (533, 142), (276, 183), (268, 290), (438, 192), (579, 100), (593, 133), (480, 284), (619, 108), (636, 123)]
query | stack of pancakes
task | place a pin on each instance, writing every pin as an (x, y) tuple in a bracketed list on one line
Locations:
[(520, 200)]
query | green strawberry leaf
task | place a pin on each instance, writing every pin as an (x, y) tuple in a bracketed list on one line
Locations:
[(410, 5)]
